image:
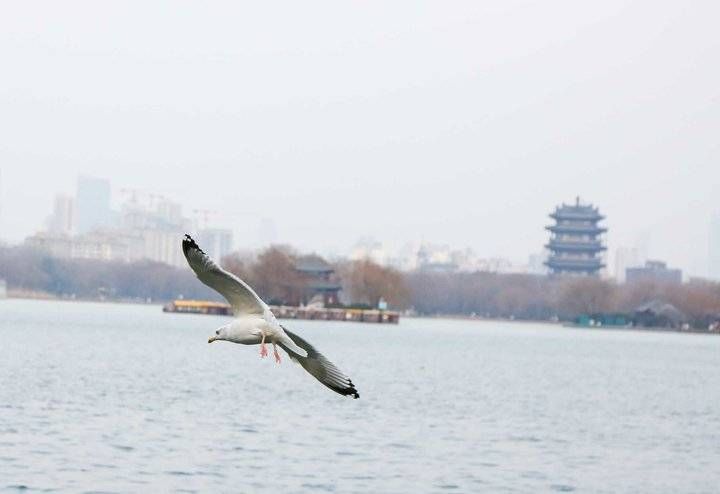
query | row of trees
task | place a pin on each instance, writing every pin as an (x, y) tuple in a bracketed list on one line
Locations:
[(539, 297), (272, 273), (30, 270)]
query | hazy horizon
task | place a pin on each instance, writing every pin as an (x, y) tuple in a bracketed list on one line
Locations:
[(461, 124)]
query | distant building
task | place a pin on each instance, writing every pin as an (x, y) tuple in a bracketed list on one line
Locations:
[(319, 280), (98, 245), (435, 259), (714, 248), (656, 271), (216, 242), (369, 248), (92, 204), (626, 258), (162, 246), (536, 263), (575, 240), (62, 220), (156, 227)]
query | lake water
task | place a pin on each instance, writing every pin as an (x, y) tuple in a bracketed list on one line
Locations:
[(125, 398)]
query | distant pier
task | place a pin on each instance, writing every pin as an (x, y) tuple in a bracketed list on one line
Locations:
[(288, 312)]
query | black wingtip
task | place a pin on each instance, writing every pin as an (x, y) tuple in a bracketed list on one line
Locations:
[(347, 390), (188, 243), (351, 391)]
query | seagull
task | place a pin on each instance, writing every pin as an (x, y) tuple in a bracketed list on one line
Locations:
[(255, 324)]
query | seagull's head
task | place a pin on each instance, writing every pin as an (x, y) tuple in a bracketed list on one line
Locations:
[(220, 334)]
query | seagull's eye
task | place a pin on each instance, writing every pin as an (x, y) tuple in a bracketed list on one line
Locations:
[(217, 332)]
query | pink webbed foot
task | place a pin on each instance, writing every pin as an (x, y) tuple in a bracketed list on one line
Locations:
[(277, 355), (263, 351)]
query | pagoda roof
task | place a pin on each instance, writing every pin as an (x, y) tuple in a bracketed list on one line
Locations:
[(313, 264), (574, 264), (576, 229), (592, 246), (573, 213)]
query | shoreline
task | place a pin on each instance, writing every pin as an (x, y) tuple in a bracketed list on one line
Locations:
[(42, 296), (20, 295)]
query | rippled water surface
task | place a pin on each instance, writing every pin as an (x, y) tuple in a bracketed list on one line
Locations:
[(124, 398)]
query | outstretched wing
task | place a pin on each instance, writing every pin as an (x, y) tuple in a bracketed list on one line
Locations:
[(241, 297), (321, 368)]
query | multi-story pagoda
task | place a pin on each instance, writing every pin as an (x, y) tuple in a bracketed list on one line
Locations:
[(575, 240)]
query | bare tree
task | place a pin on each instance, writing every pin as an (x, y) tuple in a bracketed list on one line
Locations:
[(585, 296), (275, 278), (367, 282)]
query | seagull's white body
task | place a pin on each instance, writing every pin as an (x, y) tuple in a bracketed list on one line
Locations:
[(249, 330), (253, 330), (255, 323)]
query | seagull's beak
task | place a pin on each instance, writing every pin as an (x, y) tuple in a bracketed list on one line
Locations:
[(212, 338)]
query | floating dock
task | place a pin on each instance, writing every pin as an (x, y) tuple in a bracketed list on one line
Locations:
[(198, 307), (288, 312)]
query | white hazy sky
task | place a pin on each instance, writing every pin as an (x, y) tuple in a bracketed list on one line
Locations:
[(461, 123)]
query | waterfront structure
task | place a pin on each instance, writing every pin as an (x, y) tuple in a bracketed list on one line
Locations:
[(318, 279), (380, 315), (658, 314), (575, 240), (653, 271)]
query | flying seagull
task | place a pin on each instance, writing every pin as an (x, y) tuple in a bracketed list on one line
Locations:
[(255, 324)]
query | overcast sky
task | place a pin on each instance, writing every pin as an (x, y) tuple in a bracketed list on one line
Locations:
[(461, 123)]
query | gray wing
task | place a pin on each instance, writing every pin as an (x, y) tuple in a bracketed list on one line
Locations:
[(241, 297), (321, 368)]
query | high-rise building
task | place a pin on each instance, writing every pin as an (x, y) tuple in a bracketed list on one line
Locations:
[(62, 220), (626, 257), (216, 242), (92, 203), (162, 246), (714, 247), (575, 240)]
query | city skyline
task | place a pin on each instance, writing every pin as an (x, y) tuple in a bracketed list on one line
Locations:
[(460, 126), (138, 207)]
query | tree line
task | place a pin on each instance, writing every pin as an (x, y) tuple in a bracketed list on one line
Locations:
[(532, 297), (273, 275), (32, 271)]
